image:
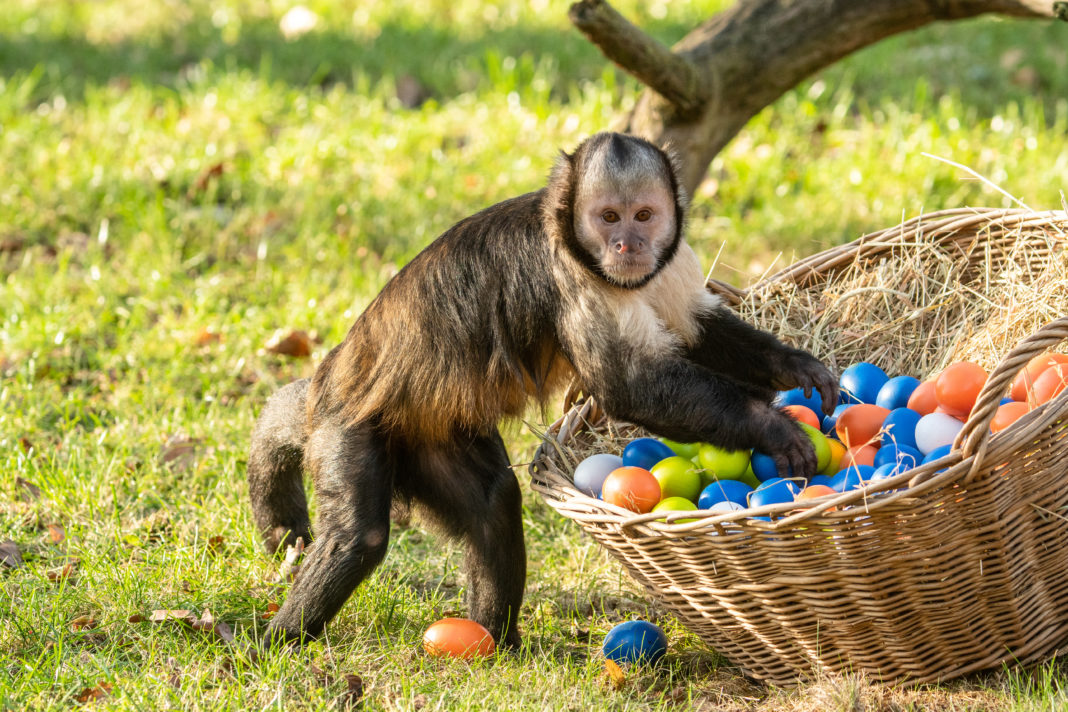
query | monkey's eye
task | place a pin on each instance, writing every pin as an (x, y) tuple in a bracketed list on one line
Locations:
[(610, 216), (643, 215)]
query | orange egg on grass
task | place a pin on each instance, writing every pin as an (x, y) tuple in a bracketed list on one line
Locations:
[(458, 638), (632, 488), (1050, 383), (859, 424), (1029, 374), (802, 415), (923, 399), (957, 387), (1007, 414)]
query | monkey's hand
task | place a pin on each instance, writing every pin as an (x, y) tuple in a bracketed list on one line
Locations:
[(783, 439), (798, 369)]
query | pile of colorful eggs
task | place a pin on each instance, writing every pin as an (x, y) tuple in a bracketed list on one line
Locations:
[(882, 427)]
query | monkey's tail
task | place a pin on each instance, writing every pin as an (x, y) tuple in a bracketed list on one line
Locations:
[(275, 469)]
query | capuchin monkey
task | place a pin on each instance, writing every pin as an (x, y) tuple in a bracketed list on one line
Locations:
[(587, 278)]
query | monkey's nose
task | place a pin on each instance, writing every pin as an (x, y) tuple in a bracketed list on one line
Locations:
[(629, 244)]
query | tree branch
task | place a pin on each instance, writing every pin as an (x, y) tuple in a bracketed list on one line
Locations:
[(672, 76), (705, 89)]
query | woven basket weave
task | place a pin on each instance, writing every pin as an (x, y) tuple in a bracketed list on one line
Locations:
[(926, 576)]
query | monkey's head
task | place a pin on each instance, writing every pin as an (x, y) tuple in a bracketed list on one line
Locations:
[(618, 207)]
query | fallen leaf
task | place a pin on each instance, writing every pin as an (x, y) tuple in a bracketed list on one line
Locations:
[(179, 451), (64, 573), (272, 608), (167, 614), (296, 344), (206, 620), (102, 689), (56, 533), (26, 444), (174, 673), (10, 556), (206, 336), (206, 176), (224, 631), (216, 544), (419, 702), (136, 618), (354, 694), (615, 674), (321, 675), (85, 622), (29, 488)]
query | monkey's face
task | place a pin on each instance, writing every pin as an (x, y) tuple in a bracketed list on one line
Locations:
[(626, 230)]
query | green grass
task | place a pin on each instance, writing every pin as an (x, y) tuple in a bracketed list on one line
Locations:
[(121, 245)]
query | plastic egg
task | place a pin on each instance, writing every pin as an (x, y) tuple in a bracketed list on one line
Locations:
[(720, 463), (802, 415), (935, 430), (907, 457), (635, 641), (764, 466), (1050, 383), (861, 382), (888, 470), (687, 450), (591, 472), (724, 507), (834, 463), (796, 396), (774, 491), (1007, 414), (862, 455), (814, 491), (923, 399), (678, 477), (957, 387), (852, 478), (937, 454), (1026, 377), (632, 488), (724, 491), (645, 452), (458, 638), (675, 504), (820, 480), (860, 424), (899, 428), (895, 392)]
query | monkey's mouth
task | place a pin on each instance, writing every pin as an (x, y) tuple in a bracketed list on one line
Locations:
[(627, 270)]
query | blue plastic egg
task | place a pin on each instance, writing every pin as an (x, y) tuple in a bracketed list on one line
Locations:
[(764, 466), (899, 428), (591, 472), (904, 455), (895, 392), (635, 641), (851, 477), (724, 507), (774, 491), (820, 480), (887, 471), (645, 452), (829, 421), (724, 491), (796, 396), (861, 382), (937, 454)]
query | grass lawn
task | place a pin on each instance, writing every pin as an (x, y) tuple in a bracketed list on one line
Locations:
[(180, 184)]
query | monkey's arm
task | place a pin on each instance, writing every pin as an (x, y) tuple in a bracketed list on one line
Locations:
[(730, 346), (676, 398)]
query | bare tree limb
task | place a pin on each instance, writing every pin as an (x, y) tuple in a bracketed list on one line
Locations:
[(707, 87)]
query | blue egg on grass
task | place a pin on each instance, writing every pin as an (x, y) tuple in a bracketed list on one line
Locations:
[(904, 455), (764, 466), (635, 641), (724, 491), (899, 428), (852, 477), (895, 392), (861, 382), (645, 452), (796, 396), (591, 472)]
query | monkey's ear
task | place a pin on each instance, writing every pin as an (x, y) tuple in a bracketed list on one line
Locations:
[(675, 163)]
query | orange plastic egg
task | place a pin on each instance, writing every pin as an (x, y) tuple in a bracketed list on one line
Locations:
[(859, 424), (923, 399), (860, 455), (802, 415), (632, 488), (458, 638), (1030, 373), (1008, 414), (813, 491), (957, 387), (951, 414), (1050, 383)]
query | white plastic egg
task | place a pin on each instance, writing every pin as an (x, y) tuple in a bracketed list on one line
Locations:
[(591, 472), (935, 430)]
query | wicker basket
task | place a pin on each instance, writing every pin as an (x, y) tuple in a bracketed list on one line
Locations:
[(963, 570)]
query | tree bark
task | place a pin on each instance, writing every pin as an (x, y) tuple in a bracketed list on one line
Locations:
[(705, 89)]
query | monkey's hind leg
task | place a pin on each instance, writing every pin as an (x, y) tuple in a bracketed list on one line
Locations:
[(353, 476), (276, 470), (469, 488)]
